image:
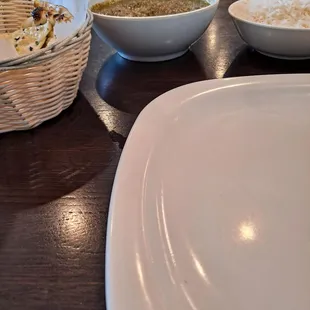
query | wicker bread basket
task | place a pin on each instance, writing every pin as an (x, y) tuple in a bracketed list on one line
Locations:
[(39, 86)]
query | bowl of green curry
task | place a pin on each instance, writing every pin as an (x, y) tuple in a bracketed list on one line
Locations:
[(152, 30)]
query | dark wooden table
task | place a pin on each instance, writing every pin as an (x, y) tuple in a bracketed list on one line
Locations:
[(56, 180)]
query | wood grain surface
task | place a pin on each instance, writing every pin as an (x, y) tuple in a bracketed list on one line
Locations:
[(56, 180)]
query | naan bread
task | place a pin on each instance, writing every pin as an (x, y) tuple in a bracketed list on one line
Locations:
[(37, 31), (32, 38)]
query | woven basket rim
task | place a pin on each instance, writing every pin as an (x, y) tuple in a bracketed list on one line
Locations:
[(19, 60)]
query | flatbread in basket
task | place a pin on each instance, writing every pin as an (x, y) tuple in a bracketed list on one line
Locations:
[(46, 24)]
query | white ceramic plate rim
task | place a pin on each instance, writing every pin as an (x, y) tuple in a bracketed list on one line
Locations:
[(233, 15), (128, 183)]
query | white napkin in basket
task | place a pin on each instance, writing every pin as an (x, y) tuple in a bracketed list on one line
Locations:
[(78, 8), (7, 49)]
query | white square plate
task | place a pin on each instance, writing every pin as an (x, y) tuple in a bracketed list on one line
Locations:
[(210, 208)]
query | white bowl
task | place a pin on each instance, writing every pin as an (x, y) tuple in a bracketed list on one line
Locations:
[(274, 41), (155, 38)]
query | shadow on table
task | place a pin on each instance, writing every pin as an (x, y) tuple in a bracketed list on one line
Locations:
[(37, 167), (129, 86), (250, 62), (58, 157)]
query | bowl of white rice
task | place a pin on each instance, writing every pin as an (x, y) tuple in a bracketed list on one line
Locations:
[(276, 28)]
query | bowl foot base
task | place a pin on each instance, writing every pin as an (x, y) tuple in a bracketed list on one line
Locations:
[(284, 57), (153, 59)]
